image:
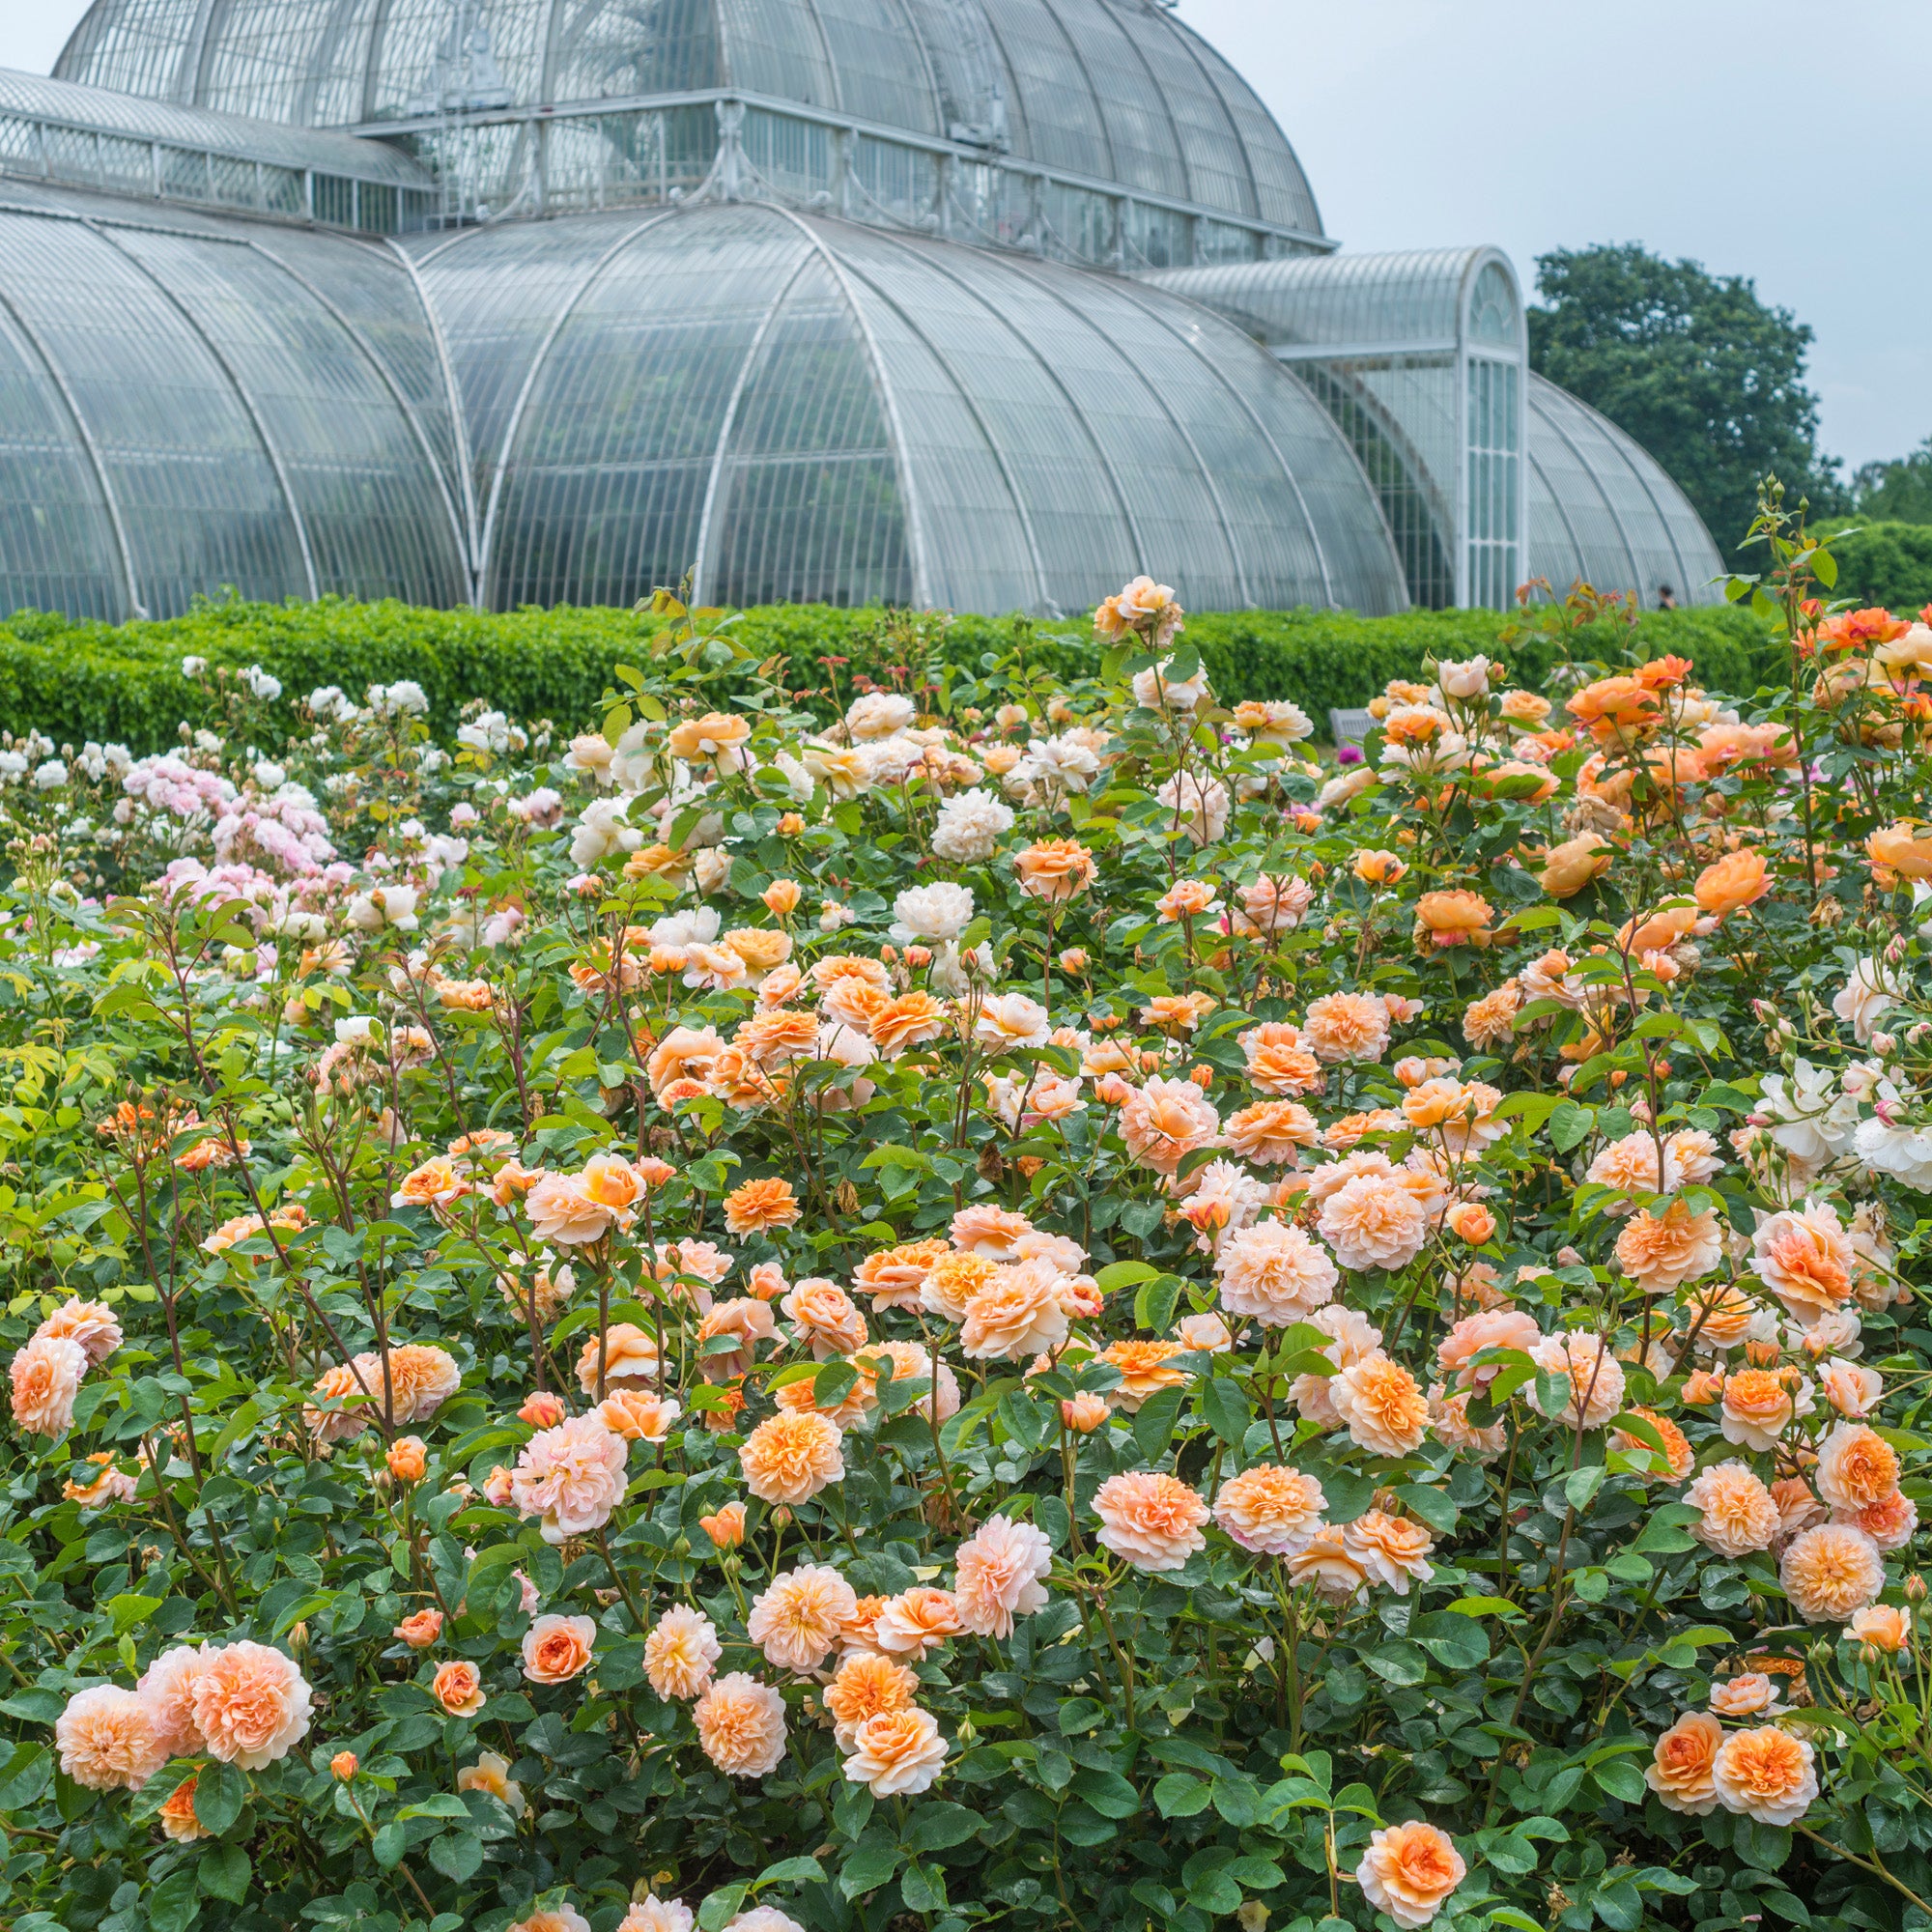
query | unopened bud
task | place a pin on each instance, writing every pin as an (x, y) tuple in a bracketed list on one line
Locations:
[(343, 1765)]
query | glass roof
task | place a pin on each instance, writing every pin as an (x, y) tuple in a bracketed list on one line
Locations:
[(1119, 91), (808, 409), (32, 97), (194, 403), (1602, 509)]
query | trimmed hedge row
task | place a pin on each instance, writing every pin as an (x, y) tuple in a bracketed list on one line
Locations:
[(76, 681)]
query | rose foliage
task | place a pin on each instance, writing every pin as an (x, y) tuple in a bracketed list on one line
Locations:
[(1018, 1306)]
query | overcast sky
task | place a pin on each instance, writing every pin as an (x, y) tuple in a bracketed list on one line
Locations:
[(1769, 138)]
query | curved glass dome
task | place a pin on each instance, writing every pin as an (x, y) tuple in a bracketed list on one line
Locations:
[(810, 410), (1112, 91), (1602, 512), (191, 403)]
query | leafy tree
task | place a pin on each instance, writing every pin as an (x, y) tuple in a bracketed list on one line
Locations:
[(1897, 492), (1708, 377)]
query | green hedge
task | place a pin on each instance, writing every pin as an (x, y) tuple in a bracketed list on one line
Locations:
[(1882, 563), (76, 681)]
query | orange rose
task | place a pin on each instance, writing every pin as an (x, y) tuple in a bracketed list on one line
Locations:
[(1454, 918), (421, 1630), (1055, 869), (756, 1206), (459, 1689), (1733, 882), (557, 1649), (1410, 1870), (1680, 1767), (1568, 868), (1901, 851)]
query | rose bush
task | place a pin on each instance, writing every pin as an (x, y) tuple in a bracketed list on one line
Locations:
[(1021, 1306)]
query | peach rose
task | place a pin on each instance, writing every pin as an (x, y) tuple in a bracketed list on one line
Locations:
[(790, 1457), (92, 1323), (1490, 1329), (1568, 868), (563, 1214), (741, 1724), (1454, 918), (490, 1773), (1747, 1694), (251, 1704), (681, 1652), (709, 737), (727, 1528), (1347, 1027), (1153, 1520), (1055, 869), (419, 1631), (1765, 1773), (1374, 1221), (1381, 1405), (557, 1648), (1595, 1378), (1806, 1258), (755, 1207), (1085, 1412), (1740, 1514), (1391, 1549), (177, 1814), (1410, 1870), (1731, 883), (1678, 1453), (824, 1317), (639, 1417), (1270, 1133), (1144, 1370), (999, 1575), (1661, 1251), (458, 1687), (917, 1622), (46, 1376), (1269, 1510), (1884, 1626), (896, 1753), (1889, 1523), (1898, 851), (865, 1685), (1275, 1273), (1760, 1403), (1166, 1120), (108, 1738), (1857, 1466), (1019, 1311), (798, 1618), (1679, 1768), (1831, 1572), (1325, 1563), (571, 1477), (168, 1686)]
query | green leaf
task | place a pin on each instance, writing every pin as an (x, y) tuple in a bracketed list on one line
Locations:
[(1123, 1274), (129, 1610), (175, 1904), (1155, 1303), (24, 1776), (1226, 1408), (1155, 1424), (1180, 1795), (1457, 1642), (721, 1907), (939, 1825), (1581, 1485), (388, 1845), (224, 1871), (923, 1888), (1108, 1793), (790, 1871), (456, 1855), (220, 1794), (1570, 1127), (1765, 1847), (1431, 1505), (869, 1866)]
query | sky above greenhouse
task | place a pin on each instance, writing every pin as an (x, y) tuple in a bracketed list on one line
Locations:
[(1757, 137)]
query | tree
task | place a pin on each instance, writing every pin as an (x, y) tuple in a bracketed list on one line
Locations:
[(1708, 377), (1899, 491)]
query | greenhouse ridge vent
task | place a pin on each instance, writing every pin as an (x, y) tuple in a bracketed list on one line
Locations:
[(969, 304)]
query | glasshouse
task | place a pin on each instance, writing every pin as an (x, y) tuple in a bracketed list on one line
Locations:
[(956, 302)]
